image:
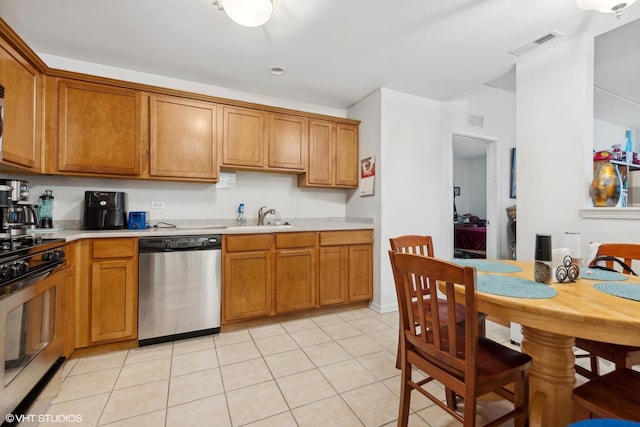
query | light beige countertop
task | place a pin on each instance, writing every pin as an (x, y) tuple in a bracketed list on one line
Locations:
[(197, 227)]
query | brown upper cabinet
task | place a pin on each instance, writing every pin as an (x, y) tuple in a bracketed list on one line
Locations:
[(182, 138), (346, 172), (67, 123), (99, 129), (22, 118), (333, 155), (288, 136), (243, 137), (259, 140)]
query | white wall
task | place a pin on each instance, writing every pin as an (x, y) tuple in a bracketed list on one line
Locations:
[(413, 177), (498, 108), (411, 138), (555, 142), (461, 179), (606, 134), (184, 85), (369, 111), (554, 139), (471, 176), (195, 200), (417, 176), (478, 187)]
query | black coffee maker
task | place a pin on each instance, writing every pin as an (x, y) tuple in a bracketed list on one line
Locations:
[(104, 210)]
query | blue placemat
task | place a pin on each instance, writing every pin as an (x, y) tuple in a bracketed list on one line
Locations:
[(513, 287), (597, 274), (488, 266), (604, 422), (624, 290)]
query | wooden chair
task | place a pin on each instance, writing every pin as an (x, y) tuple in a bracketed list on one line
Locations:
[(614, 395), (452, 354), (423, 245), (623, 356)]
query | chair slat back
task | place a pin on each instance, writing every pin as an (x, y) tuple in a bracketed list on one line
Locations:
[(453, 347), (413, 244), (627, 252)]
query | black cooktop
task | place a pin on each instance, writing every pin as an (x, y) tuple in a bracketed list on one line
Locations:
[(26, 245)]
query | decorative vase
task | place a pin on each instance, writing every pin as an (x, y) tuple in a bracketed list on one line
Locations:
[(606, 186), (543, 257)]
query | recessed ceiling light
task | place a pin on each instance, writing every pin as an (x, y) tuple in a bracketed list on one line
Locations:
[(276, 71)]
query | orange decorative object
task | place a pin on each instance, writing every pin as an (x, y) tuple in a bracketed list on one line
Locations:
[(606, 186)]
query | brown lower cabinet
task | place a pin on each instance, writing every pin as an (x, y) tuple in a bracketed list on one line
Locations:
[(262, 275), (360, 267), (107, 291), (268, 274), (345, 266), (69, 299), (246, 272), (295, 271)]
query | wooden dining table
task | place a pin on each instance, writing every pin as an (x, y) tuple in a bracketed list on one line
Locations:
[(549, 329)]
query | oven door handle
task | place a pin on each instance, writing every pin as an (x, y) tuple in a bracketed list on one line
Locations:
[(25, 282)]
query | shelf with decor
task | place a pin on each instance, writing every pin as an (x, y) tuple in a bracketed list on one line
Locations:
[(630, 192), (630, 166)]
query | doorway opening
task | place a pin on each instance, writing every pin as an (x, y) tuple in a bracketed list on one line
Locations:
[(475, 203)]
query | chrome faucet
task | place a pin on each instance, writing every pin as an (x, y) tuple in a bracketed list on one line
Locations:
[(262, 213)]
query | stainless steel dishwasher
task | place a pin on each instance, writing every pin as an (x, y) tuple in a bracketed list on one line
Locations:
[(179, 287)]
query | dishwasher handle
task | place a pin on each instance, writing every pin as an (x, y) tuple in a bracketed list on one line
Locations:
[(180, 243)]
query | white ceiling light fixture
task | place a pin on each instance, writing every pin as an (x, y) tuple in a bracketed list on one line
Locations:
[(248, 13), (605, 6)]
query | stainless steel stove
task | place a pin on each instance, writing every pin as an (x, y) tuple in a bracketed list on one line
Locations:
[(27, 256), (32, 283)]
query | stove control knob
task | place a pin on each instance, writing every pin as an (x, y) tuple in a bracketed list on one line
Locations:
[(4, 272), (21, 267), (51, 256), (13, 271), (56, 255)]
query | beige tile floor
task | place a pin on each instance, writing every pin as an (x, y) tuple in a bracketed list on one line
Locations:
[(333, 369)]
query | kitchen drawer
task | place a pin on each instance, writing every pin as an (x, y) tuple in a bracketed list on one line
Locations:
[(114, 248), (352, 237), (248, 242), (295, 240)]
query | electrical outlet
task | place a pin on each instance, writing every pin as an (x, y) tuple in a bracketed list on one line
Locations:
[(157, 205)]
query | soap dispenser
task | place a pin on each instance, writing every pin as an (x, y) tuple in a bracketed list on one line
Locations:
[(240, 219)]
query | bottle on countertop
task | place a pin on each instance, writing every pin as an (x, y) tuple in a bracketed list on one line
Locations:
[(628, 148), (45, 211), (240, 219)]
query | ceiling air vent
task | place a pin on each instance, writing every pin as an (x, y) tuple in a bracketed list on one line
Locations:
[(537, 42)]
